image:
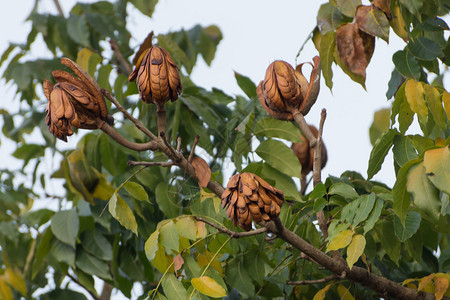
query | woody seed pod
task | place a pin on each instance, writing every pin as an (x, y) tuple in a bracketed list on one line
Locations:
[(285, 92), (157, 77), (249, 196), (305, 153)]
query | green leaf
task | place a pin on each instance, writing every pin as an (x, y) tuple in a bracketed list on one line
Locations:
[(26, 152), (280, 157), (374, 215), (403, 149), (92, 265), (147, 7), (173, 288), (365, 207), (65, 226), (344, 190), (205, 112), (42, 249), (380, 124), (373, 21), (348, 7), (406, 64), (349, 211), (273, 128), (187, 227), (39, 217), (425, 194), (78, 30), (389, 241), (402, 199), (414, 7), (246, 85), (432, 97), (410, 227), (282, 182), (437, 167), (165, 203), (136, 191), (329, 18), (208, 41), (319, 191), (319, 204), (237, 277), (209, 287), (424, 49), (394, 84), (120, 210), (326, 52), (151, 245), (379, 152), (94, 242), (341, 240), (355, 249), (62, 252), (169, 236)]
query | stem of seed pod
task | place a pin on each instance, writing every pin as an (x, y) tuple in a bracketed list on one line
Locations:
[(161, 119), (300, 120)]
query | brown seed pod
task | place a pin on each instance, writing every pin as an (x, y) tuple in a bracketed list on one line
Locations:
[(157, 77), (285, 92), (305, 153), (249, 196), (73, 101)]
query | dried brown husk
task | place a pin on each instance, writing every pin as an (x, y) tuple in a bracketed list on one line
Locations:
[(305, 153), (285, 92), (157, 77), (248, 197)]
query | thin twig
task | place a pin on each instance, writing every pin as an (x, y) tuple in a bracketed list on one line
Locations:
[(179, 144), (300, 120), (115, 135), (232, 233), (80, 284), (191, 155), (136, 122), (58, 8), (315, 281), (169, 146), (151, 163), (115, 48)]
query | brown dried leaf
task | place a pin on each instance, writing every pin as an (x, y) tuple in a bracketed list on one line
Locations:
[(355, 48), (384, 6), (202, 171), (178, 262)]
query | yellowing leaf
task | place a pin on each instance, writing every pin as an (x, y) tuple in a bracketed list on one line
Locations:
[(398, 23), (344, 293), (409, 280), (446, 100), (440, 286), (5, 290), (424, 281), (208, 286), (186, 227), (88, 60), (341, 240), (16, 280), (201, 230), (161, 261), (414, 95), (437, 167), (355, 249), (206, 258), (320, 295), (120, 210), (151, 245)]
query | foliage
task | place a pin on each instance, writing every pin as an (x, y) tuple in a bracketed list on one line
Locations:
[(150, 234)]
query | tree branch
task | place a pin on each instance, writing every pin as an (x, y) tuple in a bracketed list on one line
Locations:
[(150, 163), (115, 135), (191, 155), (315, 281), (233, 234), (122, 61), (300, 120), (58, 8)]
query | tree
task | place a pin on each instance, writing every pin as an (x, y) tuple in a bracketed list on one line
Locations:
[(141, 207)]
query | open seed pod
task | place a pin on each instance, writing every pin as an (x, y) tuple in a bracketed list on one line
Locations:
[(249, 196), (73, 101), (157, 77), (285, 92), (305, 153)]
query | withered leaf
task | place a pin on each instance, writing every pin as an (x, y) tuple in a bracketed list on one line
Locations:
[(373, 21), (202, 171), (178, 262), (384, 6), (355, 48)]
